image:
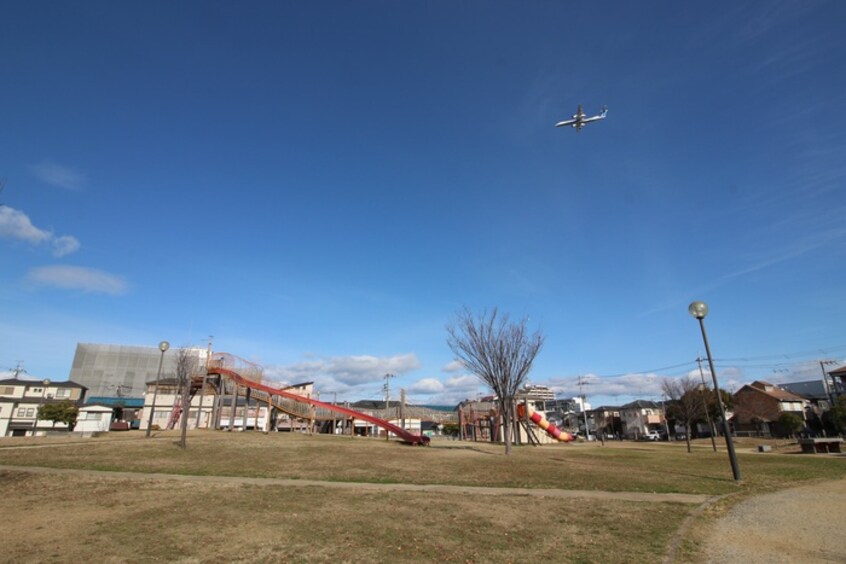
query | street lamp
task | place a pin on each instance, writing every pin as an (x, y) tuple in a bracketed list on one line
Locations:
[(163, 346), (699, 310)]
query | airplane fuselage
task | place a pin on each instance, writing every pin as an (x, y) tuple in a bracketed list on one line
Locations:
[(579, 119)]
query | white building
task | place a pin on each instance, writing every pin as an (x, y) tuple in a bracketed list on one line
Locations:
[(93, 419), (20, 400)]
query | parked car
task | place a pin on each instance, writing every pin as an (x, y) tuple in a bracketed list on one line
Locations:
[(652, 436)]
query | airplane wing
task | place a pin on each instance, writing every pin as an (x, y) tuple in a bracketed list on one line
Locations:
[(565, 122)]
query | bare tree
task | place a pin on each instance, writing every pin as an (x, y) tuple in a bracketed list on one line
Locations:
[(499, 352), (685, 404), (186, 368)]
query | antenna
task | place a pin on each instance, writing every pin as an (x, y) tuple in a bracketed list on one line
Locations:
[(18, 369)]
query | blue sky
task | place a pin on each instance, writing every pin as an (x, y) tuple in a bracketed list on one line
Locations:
[(321, 186)]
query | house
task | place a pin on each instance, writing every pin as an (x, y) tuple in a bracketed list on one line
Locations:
[(606, 419), (818, 396), (93, 418), (838, 381), (640, 417), (758, 406), (20, 400)]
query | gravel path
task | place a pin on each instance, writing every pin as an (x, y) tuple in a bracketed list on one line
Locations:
[(803, 524)]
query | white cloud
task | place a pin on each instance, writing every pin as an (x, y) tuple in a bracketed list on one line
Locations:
[(344, 373), (78, 278), (644, 386), (453, 366), (15, 224), (65, 245), (449, 392), (427, 386), (58, 175), (464, 382)]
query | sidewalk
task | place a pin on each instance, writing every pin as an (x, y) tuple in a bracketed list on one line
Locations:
[(803, 524)]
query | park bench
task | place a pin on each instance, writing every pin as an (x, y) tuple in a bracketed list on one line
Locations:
[(812, 446)]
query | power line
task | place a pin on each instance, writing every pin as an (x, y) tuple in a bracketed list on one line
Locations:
[(815, 352), (633, 372)]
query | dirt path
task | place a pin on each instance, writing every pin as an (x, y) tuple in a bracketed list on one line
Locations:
[(803, 524), (473, 490)]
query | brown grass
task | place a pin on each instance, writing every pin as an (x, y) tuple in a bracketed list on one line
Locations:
[(117, 520), (640, 467), (60, 518)]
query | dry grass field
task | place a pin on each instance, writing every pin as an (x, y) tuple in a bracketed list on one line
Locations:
[(112, 518)]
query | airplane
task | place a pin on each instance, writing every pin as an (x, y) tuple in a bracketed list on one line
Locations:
[(579, 120)]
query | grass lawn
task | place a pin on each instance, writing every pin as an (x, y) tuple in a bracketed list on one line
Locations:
[(102, 518)]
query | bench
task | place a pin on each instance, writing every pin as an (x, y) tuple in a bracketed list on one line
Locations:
[(813, 446)]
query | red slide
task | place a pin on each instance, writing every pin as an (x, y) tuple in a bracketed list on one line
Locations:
[(406, 436), (541, 422)]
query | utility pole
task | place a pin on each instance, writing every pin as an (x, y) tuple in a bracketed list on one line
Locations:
[(335, 414), (387, 389), (402, 411), (583, 381), (711, 430)]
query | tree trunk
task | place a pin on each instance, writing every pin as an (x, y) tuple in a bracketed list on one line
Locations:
[(505, 408), (186, 405), (687, 436)]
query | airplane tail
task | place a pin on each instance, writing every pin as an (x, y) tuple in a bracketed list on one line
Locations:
[(604, 111)]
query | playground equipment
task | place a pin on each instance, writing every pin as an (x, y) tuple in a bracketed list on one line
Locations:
[(541, 422), (228, 368)]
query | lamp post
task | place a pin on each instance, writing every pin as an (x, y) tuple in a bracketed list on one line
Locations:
[(163, 346), (699, 310)]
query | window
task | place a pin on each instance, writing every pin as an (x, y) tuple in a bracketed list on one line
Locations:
[(93, 416), (7, 391), (37, 390), (63, 393), (21, 412), (26, 412)]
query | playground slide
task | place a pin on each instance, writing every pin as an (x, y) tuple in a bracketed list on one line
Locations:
[(399, 431), (541, 422)]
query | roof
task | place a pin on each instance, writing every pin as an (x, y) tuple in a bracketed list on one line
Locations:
[(771, 390), (838, 372), (19, 382), (115, 401), (95, 407), (300, 385), (373, 404), (811, 389), (640, 404)]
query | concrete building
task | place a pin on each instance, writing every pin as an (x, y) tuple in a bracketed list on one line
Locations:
[(122, 371)]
